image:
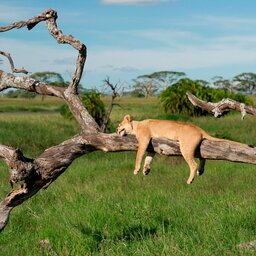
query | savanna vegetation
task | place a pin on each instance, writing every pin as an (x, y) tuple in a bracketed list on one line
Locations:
[(98, 207), (174, 99)]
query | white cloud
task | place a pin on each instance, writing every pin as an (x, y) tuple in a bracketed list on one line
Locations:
[(134, 2), (211, 53), (218, 52)]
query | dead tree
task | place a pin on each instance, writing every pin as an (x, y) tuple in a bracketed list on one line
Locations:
[(41, 171), (114, 88), (218, 108)]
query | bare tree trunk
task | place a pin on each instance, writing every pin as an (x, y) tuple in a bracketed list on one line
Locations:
[(40, 172)]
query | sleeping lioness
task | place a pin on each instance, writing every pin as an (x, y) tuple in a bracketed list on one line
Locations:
[(188, 135)]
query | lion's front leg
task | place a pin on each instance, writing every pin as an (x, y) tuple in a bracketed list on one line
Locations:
[(141, 150)]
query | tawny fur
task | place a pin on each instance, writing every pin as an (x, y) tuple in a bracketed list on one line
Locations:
[(188, 135)]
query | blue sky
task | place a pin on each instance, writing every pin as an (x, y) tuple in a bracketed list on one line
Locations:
[(128, 38)]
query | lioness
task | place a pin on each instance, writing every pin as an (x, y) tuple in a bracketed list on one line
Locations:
[(188, 135)]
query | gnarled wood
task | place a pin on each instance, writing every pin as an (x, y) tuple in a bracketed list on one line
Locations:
[(218, 108)]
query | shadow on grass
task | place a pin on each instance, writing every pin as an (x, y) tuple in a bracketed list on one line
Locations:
[(137, 232), (96, 237), (129, 234)]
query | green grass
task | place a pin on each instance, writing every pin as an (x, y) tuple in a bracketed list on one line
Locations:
[(98, 207), (33, 133)]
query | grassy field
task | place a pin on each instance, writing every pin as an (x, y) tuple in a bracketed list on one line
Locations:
[(98, 207)]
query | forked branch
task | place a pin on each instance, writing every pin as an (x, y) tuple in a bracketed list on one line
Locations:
[(70, 95)]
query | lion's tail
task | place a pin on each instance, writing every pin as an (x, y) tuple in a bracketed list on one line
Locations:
[(211, 138)]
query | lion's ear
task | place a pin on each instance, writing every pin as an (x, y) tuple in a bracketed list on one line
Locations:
[(128, 118)]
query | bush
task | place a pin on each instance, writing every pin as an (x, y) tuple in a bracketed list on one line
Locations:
[(174, 99), (137, 93), (92, 102)]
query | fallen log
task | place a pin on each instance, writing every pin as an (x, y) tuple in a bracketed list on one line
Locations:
[(219, 108)]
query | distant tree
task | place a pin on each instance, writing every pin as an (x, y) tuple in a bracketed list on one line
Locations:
[(147, 85), (221, 83), (246, 82), (163, 79), (49, 77), (144, 86)]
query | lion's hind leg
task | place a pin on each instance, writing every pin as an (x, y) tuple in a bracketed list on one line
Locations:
[(188, 152), (147, 162), (200, 170)]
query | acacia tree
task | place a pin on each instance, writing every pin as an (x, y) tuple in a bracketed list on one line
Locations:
[(150, 83), (49, 77), (41, 171), (246, 82), (144, 86), (220, 82), (163, 79)]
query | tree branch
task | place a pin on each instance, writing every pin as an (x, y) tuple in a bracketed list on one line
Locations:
[(217, 109), (14, 70), (41, 172), (70, 94)]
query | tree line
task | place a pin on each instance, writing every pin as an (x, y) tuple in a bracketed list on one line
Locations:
[(170, 86), (151, 84)]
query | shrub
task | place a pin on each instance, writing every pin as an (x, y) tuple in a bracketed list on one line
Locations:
[(174, 99), (137, 93)]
